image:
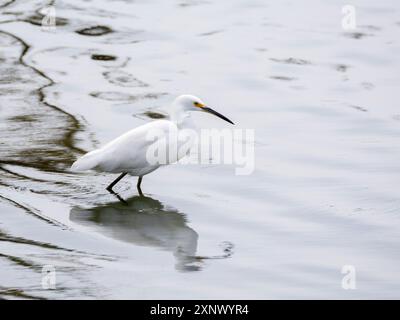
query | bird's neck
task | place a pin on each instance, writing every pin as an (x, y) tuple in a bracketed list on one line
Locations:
[(180, 117)]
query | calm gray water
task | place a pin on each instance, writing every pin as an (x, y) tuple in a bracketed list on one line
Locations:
[(324, 104)]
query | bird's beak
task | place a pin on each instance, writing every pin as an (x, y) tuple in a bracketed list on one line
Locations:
[(215, 113)]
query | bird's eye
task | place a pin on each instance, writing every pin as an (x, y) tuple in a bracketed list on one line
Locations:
[(197, 104)]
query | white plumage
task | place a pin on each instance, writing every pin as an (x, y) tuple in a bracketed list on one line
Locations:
[(129, 153)]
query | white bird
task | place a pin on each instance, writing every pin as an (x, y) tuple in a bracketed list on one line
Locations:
[(129, 153)]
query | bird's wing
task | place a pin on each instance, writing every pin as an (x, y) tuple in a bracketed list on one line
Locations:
[(132, 149)]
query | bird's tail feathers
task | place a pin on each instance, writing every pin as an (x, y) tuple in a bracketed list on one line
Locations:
[(87, 162)]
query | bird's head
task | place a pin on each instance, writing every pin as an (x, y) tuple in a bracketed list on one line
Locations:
[(188, 102)]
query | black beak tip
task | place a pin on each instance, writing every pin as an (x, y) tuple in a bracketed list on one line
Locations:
[(212, 111)]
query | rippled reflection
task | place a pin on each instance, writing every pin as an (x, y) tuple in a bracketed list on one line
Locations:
[(145, 221)]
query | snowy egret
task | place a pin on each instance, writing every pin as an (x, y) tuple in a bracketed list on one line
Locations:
[(127, 154)]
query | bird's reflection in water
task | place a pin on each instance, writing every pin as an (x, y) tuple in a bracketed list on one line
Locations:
[(144, 221)]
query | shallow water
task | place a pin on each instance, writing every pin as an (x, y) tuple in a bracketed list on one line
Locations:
[(324, 193)]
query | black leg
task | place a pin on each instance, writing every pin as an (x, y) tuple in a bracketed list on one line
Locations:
[(139, 182), (112, 184), (117, 196)]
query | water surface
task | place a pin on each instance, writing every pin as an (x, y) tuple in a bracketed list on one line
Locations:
[(324, 105)]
